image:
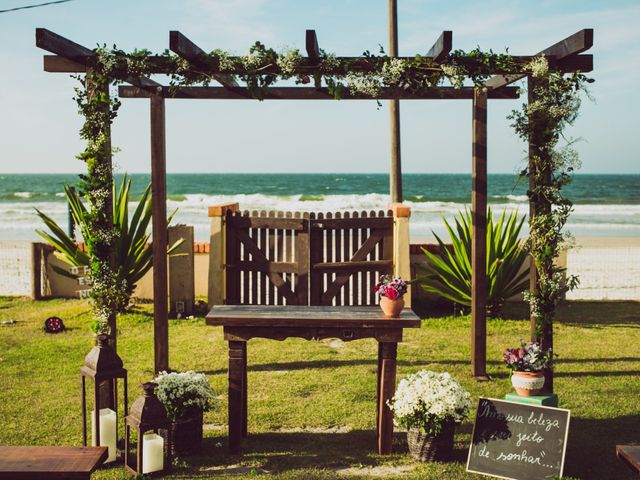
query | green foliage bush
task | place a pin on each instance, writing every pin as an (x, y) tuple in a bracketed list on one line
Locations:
[(132, 250), (448, 273)]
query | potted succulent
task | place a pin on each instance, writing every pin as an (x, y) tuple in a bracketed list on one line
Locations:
[(185, 396), (390, 290), (527, 364), (429, 405)]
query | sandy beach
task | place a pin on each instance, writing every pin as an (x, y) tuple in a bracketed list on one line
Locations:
[(608, 267)]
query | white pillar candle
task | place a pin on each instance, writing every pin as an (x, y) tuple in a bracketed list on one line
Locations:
[(152, 453), (108, 431)]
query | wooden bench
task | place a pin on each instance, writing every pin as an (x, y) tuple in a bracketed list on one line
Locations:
[(630, 456), (44, 463)]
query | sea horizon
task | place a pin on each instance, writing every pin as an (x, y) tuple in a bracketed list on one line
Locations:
[(605, 204)]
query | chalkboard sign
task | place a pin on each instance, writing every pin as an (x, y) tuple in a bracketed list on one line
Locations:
[(517, 441)]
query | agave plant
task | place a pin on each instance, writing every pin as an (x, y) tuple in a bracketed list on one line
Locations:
[(132, 249), (449, 271)]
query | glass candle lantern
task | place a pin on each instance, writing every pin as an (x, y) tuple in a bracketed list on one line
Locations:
[(104, 367), (148, 418)]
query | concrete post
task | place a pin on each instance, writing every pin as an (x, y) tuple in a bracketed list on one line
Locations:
[(401, 254), (217, 247)]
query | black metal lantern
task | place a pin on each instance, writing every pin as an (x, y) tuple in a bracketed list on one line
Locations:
[(149, 419), (103, 365)]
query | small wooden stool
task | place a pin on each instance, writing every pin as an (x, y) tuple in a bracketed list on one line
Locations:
[(43, 463)]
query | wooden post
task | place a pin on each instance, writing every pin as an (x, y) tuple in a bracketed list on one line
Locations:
[(479, 237), (36, 271), (395, 173), (181, 272), (387, 385), (159, 217), (217, 280), (546, 337), (401, 242), (237, 391)]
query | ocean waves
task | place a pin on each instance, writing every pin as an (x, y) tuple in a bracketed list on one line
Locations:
[(19, 219)]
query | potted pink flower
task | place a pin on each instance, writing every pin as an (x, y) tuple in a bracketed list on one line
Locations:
[(391, 291), (527, 364)]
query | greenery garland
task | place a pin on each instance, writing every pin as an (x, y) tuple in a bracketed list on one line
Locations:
[(556, 105)]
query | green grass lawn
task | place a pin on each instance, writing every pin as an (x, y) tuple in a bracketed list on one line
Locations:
[(311, 404)]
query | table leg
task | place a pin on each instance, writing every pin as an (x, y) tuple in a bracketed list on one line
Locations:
[(387, 359), (244, 392), (237, 365)]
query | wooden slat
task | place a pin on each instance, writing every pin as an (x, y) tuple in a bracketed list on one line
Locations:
[(346, 255), (233, 295), (254, 221), (74, 55), (54, 43), (308, 93), (161, 65), (442, 46), (311, 44), (291, 315), (479, 290), (181, 45), (302, 259), (357, 278), (353, 266), (50, 463), (572, 45), (339, 223)]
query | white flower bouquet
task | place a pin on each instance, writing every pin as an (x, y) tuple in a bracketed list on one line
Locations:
[(427, 400), (184, 393)]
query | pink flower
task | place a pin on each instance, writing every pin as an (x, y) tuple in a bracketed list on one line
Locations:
[(391, 293)]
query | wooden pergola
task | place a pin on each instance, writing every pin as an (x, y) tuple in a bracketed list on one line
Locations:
[(70, 57)]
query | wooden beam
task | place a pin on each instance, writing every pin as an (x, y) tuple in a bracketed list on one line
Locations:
[(479, 289), (54, 43), (311, 44), (572, 45), (442, 47), (159, 64), (182, 46), (306, 93), (159, 228)]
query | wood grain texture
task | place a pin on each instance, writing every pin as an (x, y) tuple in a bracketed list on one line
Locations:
[(49, 463), (479, 236), (160, 238), (307, 316), (630, 456), (308, 93)]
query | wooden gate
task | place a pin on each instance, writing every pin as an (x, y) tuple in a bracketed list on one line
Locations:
[(267, 258), (280, 258), (348, 253)]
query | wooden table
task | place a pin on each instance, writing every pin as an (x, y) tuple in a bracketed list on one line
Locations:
[(44, 463), (630, 456), (243, 322)]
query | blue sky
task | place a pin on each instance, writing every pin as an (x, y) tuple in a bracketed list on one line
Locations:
[(39, 124)]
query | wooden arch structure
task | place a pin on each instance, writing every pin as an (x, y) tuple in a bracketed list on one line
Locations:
[(70, 57)]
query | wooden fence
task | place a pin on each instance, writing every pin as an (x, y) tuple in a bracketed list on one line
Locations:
[(286, 258)]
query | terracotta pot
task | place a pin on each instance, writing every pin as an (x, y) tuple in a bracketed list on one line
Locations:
[(186, 435), (391, 308), (429, 448), (527, 384)]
